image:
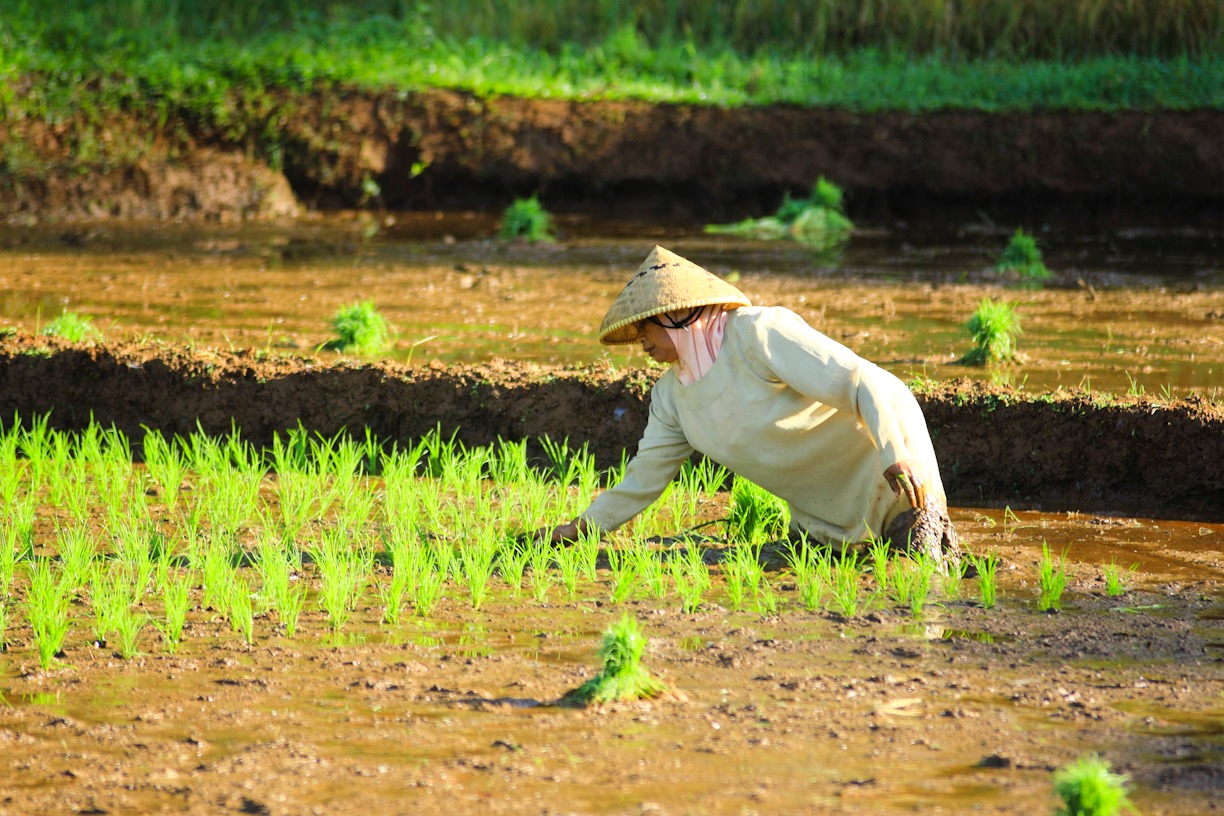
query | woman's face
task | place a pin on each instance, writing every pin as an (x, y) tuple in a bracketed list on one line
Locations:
[(656, 342)]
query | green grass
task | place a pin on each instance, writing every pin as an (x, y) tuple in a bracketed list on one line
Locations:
[(994, 328), (212, 63)]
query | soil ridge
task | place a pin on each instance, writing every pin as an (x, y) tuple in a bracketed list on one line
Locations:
[(440, 149), (1064, 450)]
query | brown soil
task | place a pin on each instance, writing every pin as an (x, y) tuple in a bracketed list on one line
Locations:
[(672, 161)]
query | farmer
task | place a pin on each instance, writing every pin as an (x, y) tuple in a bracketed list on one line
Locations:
[(762, 393)]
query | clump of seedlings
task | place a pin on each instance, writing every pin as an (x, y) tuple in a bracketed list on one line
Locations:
[(818, 221), (526, 218), (755, 515), (1087, 787), (987, 567), (994, 328), (1116, 578), (73, 327), (1051, 580), (1022, 258), (359, 328), (623, 678)]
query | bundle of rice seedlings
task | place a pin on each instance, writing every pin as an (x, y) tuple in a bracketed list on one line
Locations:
[(1023, 258), (527, 218), (818, 221), (360, 327), (994, 328), (623, 677), (1088, 788)]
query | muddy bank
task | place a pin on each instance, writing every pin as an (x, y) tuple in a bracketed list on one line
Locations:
[(447, 150), (1060, 450)]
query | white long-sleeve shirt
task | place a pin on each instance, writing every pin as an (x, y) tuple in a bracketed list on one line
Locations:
[(793, 411)]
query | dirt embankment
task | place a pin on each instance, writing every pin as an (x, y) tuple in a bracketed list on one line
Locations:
[(1063, 450), (443, 150)]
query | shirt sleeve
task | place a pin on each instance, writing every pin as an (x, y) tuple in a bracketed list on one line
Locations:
[(661, 451), (818, 367)]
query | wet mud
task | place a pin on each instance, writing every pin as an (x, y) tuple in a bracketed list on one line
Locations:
[(961, 710)]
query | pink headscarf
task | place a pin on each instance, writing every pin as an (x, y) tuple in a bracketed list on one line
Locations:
[(698, 343)]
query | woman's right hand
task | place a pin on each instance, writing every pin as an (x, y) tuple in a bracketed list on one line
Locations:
[(566, 533)]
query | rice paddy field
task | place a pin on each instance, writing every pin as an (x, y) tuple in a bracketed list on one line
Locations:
[(297, 314)]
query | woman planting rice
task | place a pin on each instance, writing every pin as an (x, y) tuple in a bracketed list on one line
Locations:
[(762, 393)]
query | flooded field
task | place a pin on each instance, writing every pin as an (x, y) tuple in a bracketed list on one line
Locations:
[(782, 705), (1133, 310)]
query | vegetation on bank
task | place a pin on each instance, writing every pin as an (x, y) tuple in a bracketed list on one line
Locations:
[(200, 58)]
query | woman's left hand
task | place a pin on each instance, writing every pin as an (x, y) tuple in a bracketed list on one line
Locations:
[(905, 482)]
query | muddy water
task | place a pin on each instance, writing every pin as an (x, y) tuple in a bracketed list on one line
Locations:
[(1129, 310)]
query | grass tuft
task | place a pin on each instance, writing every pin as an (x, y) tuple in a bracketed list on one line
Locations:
[(623, 678)]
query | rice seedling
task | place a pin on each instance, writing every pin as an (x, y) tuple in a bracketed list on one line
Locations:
[(526, 218), (924, 567), (109, 596), (624, 568), (1023, 259), (541, 575), (817, 221), (4, 621), (691, 577), (1087, 787), (586, 549), (217, 576), (951, 581), (47, 604), (755, 515), (766, 599), (987, 567), (743, 572), (241, 610), (569, 568), (128, 627), (845, 588), (512, 560), (176, 601), (812, 568), (73, 327), (1051, 580), (651, 569), (705, 477), (1116, 578), (622, 677), (77, 553), (476, 563), (428, 589), (879, 550), (360, 328), (344, 571), (993, 327), (166, 464)]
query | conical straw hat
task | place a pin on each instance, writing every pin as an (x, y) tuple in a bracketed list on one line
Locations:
[(664, 282)]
